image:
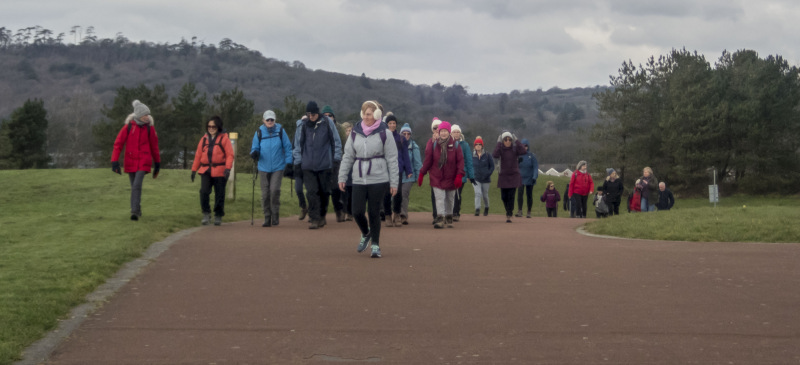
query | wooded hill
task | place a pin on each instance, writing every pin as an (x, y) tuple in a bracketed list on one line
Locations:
[(76, 80)]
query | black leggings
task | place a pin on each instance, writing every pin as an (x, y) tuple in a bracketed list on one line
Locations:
[(552, 212), (371, 195), (507, 195), (580, 204), (528, 193), (613, 208), (218, 183), (457, 201), (392, 204)]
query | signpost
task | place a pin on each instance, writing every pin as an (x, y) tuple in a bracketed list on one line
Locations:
[(233, 136), (713, 191)]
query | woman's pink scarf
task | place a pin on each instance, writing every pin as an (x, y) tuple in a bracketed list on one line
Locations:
[(368, 130)]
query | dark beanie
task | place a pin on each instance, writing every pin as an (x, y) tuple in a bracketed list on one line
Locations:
[(312, 107), (390, 118)]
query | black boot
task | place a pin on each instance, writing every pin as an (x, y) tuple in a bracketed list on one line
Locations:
[(485, 211), (267, 222), (477, 212)]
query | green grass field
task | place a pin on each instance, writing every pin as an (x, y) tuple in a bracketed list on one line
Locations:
[(63, 232)]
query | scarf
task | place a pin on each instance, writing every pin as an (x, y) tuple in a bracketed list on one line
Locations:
[(139, 122), (367, 129), (443, 147)]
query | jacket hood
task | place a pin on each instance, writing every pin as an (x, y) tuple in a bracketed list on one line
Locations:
[(525, 142), (130, 119)]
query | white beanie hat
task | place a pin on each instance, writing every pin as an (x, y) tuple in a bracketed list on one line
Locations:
[(435, 123), (269, 114), (454, 128), (505, 134)]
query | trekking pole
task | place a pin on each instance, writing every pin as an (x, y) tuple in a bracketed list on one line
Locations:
[(253, 199)]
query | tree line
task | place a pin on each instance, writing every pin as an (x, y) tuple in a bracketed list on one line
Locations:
[(686, 119)]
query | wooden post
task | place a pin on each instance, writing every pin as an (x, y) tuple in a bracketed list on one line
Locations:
[(232, 179)]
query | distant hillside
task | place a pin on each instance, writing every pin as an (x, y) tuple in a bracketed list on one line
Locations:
[(65, 75)]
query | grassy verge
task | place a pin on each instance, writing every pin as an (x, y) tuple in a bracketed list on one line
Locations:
[(735, 219)]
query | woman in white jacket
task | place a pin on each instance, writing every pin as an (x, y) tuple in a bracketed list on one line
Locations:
[(373, 163)]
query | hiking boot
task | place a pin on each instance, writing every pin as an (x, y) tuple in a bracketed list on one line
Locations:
[(396, 220), (456, 217), (448, 219), (477, 212), (206, 219), (312, 224), (267, 222), (362, 245), (217, 220), (529, 214), (275, 220), (519, 213), (134, 217), (389, 222), (339, 216), (508, 219), (438, 222), (376, 252), (403, 219), (485, 211), (348, 217), (383, 217), (322, 222), (303, 213)]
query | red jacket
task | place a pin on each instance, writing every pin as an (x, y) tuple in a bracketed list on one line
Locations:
[(445, 177), (141, 146), (221, 155), (580, 183)]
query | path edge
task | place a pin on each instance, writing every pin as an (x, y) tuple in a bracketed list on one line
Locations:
[(40, 351)]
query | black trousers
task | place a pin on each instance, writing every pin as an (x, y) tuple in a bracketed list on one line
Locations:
[(528, 193), (336, 194), (433, 203), (457, 201), (613, 208), (552, 212), (392, 204), (317, 192), (218, 183), (368, 199), (347, 199), (507, 195), (580, 201)]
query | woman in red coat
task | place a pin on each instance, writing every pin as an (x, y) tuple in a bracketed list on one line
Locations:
[(213, 160), (445, 161), (138, 137), (509, 178), (581, 186)]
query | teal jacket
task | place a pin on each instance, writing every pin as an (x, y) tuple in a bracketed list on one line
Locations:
[(468, 169)]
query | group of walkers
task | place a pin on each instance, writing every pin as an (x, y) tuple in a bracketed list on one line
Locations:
[(368, 172)]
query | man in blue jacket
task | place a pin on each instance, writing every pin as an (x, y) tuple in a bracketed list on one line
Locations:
[(319, 146), (272, 149), (529, 171)]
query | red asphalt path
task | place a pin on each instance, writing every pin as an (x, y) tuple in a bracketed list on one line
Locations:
[(531, 292)]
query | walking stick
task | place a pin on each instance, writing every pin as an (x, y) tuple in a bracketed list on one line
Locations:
[(253, 199)]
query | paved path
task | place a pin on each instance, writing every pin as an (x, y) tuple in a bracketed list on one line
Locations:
[(534, 291)]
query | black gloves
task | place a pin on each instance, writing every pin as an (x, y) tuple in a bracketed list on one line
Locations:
[(115, 167), (473, 182), (255, 155), (227, 173), (193, 174), (289, 171), (157, 169)]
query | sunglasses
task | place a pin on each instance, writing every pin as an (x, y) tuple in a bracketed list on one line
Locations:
[(406, 133), (507, 139), (270, 120)]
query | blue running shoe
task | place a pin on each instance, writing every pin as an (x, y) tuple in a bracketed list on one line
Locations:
[(376, 252), (362, 245)]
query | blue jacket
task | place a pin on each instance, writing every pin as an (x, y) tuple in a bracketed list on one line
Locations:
[(468, 170), (483, 167), (403, 162), (416, 161), (315, 152), (528, 166), (275, 149)]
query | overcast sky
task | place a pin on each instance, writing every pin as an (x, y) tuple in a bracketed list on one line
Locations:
[(487, 46)]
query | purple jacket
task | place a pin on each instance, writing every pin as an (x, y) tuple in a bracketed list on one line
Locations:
[(551, 198), (509, 176), (403, 161)]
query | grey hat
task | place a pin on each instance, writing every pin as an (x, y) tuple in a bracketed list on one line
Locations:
[(269, 114), (609, 171), (139, 109), (578, 167)]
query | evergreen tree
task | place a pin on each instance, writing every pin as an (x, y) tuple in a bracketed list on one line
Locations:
[(26, 135), (188, 123)]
